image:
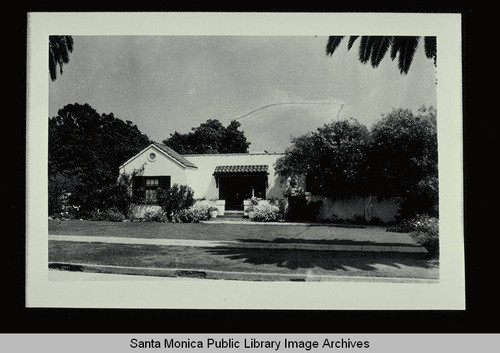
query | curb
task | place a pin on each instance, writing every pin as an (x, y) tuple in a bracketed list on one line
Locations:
[(225, 275)]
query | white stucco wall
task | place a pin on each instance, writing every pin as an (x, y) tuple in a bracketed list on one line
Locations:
[(369, 207), (203, 182), (162, 165), (200, 179)]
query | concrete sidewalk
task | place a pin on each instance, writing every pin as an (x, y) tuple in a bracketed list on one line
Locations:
[(285, 245)]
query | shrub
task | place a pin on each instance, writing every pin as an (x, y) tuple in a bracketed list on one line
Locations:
[(255, 200), (278, 202), (155, 216), (300, 209), (114, 215), (426, 233), (117, 197), (417, 223), (312, 210), (266, 213), (176, 198), (202, 210), (424, 229), (213, 209), (59, 186), (110, 214), (294, 187), (196, 213), (187, 216), (423, 199)]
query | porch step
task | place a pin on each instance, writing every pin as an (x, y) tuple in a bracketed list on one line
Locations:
[(231, 215)]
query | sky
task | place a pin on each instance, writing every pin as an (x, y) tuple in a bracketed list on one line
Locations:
[(165, 84)]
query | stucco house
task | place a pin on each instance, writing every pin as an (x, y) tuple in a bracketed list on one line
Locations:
[(228, 178)]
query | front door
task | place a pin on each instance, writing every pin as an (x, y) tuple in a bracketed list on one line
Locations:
[(235, 189)]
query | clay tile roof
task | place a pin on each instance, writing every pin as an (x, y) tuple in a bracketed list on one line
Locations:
[(240, 169), (179, 158)]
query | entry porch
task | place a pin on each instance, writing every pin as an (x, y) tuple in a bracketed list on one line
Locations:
[(238, 183)]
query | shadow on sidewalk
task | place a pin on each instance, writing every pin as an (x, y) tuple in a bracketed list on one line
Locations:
[(326, 242), (327, 260), (243, 258)]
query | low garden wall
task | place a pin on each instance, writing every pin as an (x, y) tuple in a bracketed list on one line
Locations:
[(219, 204), (141, 211), (368, 208)]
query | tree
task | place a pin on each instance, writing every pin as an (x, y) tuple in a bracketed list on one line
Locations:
[(397, 158), (374, 48), (403, 160), (333, 158), (87, 149), (210, 137), (59, 49)]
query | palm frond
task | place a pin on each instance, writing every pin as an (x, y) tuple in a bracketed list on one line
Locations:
[(59, 49), (396, 46), (365, 49), (380, 46), (333, 44), (430, 48), (405, 46), (52, 64), (69, 43), (352, 39)]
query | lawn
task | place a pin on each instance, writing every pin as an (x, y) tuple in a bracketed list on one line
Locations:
[(226, 231)]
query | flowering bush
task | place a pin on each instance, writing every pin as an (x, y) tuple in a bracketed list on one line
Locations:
[(426, 233), (424, 229), (68, 212), (187, 216), (266, 212), (112, 214), (293, 187), (255, 200), (213, 209), (197, 212), (417, 223), (155, 216)]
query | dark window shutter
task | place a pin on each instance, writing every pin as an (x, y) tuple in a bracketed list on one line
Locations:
[(137, 183), (164, 182)]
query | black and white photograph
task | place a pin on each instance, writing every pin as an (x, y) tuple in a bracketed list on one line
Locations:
[(231, 161)]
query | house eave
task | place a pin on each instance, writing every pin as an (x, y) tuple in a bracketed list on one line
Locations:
[(160, 151)]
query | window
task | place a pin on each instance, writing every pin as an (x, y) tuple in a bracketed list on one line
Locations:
[(152, 185), (152, 156), (145, 188), (152, 182)]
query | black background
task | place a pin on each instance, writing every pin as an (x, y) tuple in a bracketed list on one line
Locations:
[(481, 271)]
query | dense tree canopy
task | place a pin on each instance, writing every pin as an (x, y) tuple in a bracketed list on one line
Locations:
[(210, 137), (403, 159), (333, 158), (86, 150), (398, 157)]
